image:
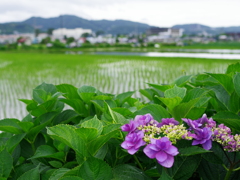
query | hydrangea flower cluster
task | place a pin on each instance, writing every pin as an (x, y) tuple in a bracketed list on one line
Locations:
[(159, 137), (202, 132), (222, 135)]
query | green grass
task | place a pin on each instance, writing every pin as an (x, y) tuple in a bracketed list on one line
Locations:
[(21, 72)]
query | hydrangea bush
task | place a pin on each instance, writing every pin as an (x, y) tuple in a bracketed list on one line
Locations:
[(186, 130), (159, 137)]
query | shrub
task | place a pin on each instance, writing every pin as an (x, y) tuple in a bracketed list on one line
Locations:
[(181, 132)]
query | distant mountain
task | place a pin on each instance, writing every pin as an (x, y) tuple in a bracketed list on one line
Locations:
[(107, 26), (201, 29), (70, 21)]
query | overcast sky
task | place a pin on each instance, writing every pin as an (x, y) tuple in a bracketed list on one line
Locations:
[(162, 13)]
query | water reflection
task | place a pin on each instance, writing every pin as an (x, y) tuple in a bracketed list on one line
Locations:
[(222, 54), (222, 51), (172, 54)]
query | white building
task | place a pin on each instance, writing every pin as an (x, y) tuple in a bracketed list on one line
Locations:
[(75, 33), (163, 34)]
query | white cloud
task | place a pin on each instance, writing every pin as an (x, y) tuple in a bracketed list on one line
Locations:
[(154, 12)]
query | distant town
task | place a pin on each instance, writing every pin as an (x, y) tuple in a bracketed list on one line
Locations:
[(63, 37)]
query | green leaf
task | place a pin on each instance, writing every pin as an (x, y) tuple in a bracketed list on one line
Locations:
[(128, 172), (117, 118), (175, 92), (110, 127), (123, 111), (65, 117), (224, 80), (32, 174), (86, 93), (78, 105), (184, 167), (26, 101), (71, 178), (87, 134), (181, 81), (55, 164), (43, 92), (182, 110), (93, 123), (43, 120), (98, 142), (234, 103), (40, 96), (27, 118), (164, 175), (212, 158), (233, 68), (72, 137), (157, 111), (204, 80), (26, 126), (14, 141), (6, 163), (96, 169), (101, 154), (170, 102), (148, 93), (123, 97), (195, 93), (236, 82), (160, 87), (228, 119), (192, 150), (99, 104), (211, 171), (69, 91), (59, 173), (11, 125), (46, 151)]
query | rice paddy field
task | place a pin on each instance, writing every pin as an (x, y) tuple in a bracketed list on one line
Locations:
[(22, 72)]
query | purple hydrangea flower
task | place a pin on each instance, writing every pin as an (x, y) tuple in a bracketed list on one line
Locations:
[(163, 150), (167, 121), (205, 122), (131, 127), (200, 123), (203, 137), (144, 119), (133, 142), (193, 125)]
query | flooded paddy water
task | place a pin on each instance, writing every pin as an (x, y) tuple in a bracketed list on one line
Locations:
[(21, 72)]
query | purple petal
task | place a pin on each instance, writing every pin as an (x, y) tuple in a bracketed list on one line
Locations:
[(149, 152), (163, 143), (124, 145), (172, 150), (161, 156), (153, 141), (207, 145), (168, 162), (153, 147), (140, 143), (195, 142), (132, 151)]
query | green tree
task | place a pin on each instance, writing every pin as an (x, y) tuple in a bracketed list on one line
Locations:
[(100, 32), (46, 40), (70, 40), (37, 32), (85, 35), (50, 31)]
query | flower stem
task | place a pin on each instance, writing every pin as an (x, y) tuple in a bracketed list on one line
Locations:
[(139, 164), (229, 172)]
